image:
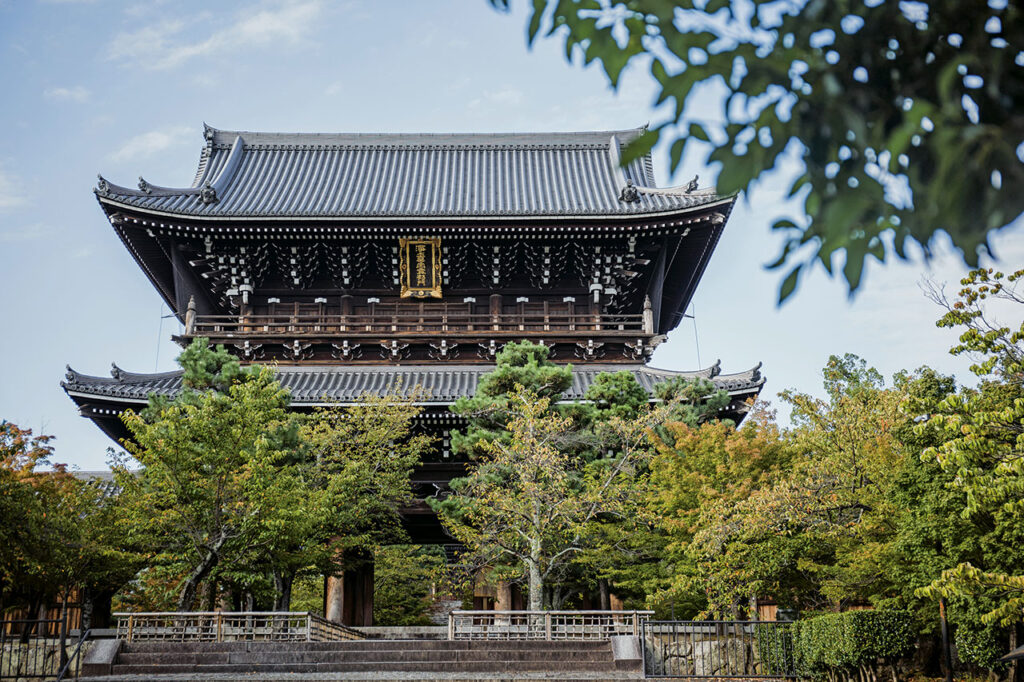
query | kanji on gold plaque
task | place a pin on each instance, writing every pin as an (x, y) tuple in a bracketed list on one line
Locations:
[(419, 267)]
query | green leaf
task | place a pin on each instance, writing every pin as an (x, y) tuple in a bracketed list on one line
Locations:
[(789, 284), (640, 146), (676, 152), (697, 131)]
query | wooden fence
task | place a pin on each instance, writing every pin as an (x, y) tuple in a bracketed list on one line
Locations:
[(545, 625), (233, 626)]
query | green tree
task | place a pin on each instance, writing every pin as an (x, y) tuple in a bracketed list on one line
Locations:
[(22, 556), (984, 444), (58, 536), (699, 466), (362, 457), (811, 537), (527, 500), (517, 364), (906, 117), (214, 482), (404, 577)]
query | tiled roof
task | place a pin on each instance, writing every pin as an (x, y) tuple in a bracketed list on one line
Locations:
[(313, 385), (103, 480), (339, 176)]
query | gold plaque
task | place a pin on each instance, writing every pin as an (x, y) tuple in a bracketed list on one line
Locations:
[(419, 267)]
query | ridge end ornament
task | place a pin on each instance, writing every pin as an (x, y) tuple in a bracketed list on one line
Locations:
[(419, 267)]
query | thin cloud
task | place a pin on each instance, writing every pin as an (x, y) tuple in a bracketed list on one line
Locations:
[(505, 97), (153, 142), (27, 233), (12, 192), (165, 45), (77, 93)]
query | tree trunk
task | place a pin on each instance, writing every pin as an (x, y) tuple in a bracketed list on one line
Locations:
[(87, 601), (536, 587), (606, 594), (283, 590), (209, 602), (187, 598), (1013, 673), (63, 630)]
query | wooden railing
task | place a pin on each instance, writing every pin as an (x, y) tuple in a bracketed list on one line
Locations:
[(231, 626), (411, 323), (545, 625)]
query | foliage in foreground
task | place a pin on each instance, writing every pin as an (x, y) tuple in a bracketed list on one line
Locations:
[(905, 117)]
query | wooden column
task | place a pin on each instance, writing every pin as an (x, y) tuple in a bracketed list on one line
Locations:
[(495, 311), (349, 597), (503, 597), (346, 311)]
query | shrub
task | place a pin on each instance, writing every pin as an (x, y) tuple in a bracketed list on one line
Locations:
[(979, 645), (844, 641)]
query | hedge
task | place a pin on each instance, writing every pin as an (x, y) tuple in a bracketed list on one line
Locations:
[(843, 641)]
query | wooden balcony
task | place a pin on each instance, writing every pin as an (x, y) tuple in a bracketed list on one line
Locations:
[(416, 325)]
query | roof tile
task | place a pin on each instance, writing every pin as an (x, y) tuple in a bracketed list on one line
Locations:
[(389, 175)]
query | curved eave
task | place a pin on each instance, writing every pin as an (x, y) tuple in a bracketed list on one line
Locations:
[(107, 201), (130, 388)]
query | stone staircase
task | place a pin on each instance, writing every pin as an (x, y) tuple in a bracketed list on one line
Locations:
[(363, 660)]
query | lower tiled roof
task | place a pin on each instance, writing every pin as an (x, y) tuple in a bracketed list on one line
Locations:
[(443, 384)]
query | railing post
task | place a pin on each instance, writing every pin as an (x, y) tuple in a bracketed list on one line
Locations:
[(131, 626), (636, 624), (190, 317), (309, 627), (220, 626), (547, 626), (451, 625)]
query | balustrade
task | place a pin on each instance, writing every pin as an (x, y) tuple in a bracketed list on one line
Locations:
[(231, 626), (545, 625), (413, 323)]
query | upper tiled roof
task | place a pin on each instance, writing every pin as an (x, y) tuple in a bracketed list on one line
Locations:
[(313, 385), (353, 176)]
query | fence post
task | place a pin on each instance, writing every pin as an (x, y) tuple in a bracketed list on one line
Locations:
[(547, 626), (220, 626), (636, 624), (131, 625), (451, 625)]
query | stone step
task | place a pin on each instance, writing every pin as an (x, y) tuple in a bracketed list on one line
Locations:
[(492, 666), (366, 659), (377, 677), (367, 645), (325, 656)]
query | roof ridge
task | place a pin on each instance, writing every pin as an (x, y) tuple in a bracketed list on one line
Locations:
[(220, 137)]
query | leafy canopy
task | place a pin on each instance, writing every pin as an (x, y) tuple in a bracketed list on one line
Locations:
[(529, 503), (214, 484), (984, 432), (906, 117)]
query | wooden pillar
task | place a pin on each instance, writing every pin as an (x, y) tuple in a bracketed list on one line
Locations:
[(503, 597), (346, 311), (349, 597), (496, 311)]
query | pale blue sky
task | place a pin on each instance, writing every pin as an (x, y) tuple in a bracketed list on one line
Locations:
[(123, 88)]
